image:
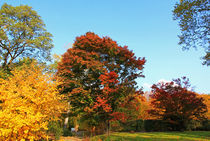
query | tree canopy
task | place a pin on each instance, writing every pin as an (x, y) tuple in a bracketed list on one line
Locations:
[(97, 75), (175, 103), (22, 33), (193, 17)]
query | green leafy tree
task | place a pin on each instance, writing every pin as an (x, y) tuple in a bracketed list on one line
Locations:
[(97, 75), (176, 104), (22, 34), (193, 17)]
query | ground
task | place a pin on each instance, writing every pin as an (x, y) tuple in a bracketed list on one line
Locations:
[(156, 136), (70, 139)]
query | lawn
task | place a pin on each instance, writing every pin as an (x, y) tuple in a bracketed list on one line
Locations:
[(156, 136)]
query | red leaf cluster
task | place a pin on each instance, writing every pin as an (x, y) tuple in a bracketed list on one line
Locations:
[(102, 102), (174, 100), (118, 116)]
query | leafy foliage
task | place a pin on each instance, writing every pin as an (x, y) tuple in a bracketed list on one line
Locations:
[(54, 65), (21, 63), (54, 127), (176, 104), (22, 33), (135, 108), (29, 99), (193, 17), (97, 74), (206, 98)]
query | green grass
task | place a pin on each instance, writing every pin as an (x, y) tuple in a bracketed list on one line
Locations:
[(156, 136)]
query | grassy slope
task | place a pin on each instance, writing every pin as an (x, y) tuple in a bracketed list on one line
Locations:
[(156, 136)]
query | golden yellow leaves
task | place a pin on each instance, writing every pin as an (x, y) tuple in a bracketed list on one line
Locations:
[(28, 100)]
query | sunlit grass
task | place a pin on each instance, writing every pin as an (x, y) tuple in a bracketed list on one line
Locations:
[(156, 136)]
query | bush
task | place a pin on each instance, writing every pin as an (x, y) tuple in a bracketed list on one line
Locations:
[(139, 125), (193, 125), (156, 125), (129, 126), (136, 125), (205, 126), (116, 126), (159, 125), (67, 132), (55, 128)]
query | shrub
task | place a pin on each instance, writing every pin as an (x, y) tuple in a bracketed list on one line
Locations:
[(67, 132), (156, 125), (205, 126), (139, 125), (55, 128)]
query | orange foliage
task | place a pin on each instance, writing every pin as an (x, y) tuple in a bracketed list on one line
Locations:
[(28, 100), (137, 108), (143, 109), (206, 98)]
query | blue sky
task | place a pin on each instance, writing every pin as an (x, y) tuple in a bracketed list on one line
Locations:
[(146, 27)]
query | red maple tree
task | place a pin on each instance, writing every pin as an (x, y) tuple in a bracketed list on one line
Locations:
[(175, 103), (97, 75)]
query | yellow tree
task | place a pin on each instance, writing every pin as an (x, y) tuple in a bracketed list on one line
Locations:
[(29, 99)]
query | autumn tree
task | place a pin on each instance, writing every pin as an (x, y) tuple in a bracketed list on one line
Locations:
[(134, 109), (97, 74), (22, 33), (144, 106), (176, 104), (193, 17), (29, 99), (206, 98)]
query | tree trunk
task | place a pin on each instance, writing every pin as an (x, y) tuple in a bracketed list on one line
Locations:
[(66, 120), (108, 127)]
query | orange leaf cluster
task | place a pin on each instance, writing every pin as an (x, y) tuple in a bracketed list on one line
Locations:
[(206, 98)]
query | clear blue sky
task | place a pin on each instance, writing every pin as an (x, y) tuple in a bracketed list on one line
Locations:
[(145, 26)]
